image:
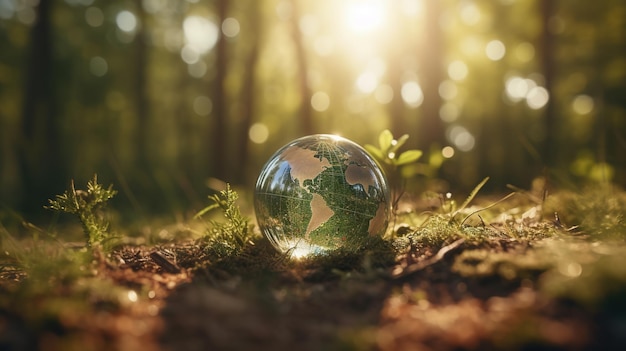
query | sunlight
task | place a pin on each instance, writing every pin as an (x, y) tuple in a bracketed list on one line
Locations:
[(365, 16), (201, 34)]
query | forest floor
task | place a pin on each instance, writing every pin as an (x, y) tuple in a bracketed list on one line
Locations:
[(526, 273)]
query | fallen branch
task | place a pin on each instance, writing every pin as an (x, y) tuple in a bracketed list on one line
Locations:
[(164, 263), (419, 266)]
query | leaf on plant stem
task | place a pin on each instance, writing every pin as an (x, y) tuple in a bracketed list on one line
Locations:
[(206, 210), (407, 157), (384, 140), (399, 143), (374, 151)]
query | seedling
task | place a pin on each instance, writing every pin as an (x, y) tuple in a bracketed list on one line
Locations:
[(85, 205), (388, 155), (234, 234)]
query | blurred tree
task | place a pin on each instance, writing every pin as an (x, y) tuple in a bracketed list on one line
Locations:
[(40, 147), (305, 114), (141, 101), (430, 127), (219, 133), (121, 97), (546, 47), (250, 89)]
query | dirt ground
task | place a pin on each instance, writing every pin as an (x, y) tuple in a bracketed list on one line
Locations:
[(499, 292)]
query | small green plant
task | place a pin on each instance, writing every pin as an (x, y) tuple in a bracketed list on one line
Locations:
[(388, 155), (231, 236), (387, 151), (86, 206)]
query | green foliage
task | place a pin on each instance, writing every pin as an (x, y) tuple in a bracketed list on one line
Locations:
[(85, 205), (233, 235), (387, 150), (388, 155)]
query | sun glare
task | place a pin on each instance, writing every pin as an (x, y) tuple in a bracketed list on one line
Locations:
[(365, 16)]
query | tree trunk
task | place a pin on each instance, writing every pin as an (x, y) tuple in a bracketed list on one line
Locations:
[(41, 167), (397, 110), (430, 127), (547, 66), (306, 114), (140, 92), (248, 94), (219, 134)]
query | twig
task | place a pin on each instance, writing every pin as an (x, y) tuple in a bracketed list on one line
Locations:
[(416, 267), (164, 263)]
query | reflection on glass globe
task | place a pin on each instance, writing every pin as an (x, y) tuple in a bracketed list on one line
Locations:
[(320, 193)]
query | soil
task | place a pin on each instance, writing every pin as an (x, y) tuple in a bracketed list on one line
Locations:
[(177, 299)]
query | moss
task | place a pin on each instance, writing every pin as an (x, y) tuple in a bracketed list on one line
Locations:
[(598, 211)]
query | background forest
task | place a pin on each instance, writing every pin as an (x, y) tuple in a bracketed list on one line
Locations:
[(159, 96)]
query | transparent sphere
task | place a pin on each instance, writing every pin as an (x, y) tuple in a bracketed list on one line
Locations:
[(320, 193)]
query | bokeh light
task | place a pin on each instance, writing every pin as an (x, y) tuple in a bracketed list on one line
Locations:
[(457, 70), (383, 94), (537, 97), (448, 90), (524, 52), (320, 101), (201, 34), (447, 152), (98, 66), (495, 50), (258, 133), (469, 12), (412, 94), (126, 21), (449, 112), (516, 88), (461, 138), (230, 27), (94, 16), (202, 105), (583, 104), (365, 16), (197, 69), (367, 82)]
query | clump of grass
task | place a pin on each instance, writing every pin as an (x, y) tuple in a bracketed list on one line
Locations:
[(86, 206), (452, 223), (598, 211), (231, 236)]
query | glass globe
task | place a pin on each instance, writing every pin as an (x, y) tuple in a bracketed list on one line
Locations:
[(320, 193)]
